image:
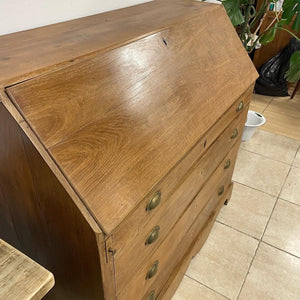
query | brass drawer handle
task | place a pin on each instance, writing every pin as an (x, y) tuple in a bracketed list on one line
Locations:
[(227, 164), (240, 106), (221, 190), (235, 133), (151, 295), (153, 236), (154, 201), (153, 270)]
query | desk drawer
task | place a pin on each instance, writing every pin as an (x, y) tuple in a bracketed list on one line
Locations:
[(157, 223), (173, 281), (167, 255), (127, 231)]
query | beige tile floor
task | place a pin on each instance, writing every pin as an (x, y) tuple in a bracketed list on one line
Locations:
[(253, 251)]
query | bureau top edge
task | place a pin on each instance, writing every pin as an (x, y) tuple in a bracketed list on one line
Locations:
[(28, 54)]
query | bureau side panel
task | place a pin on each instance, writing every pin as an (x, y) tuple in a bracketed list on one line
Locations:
[(39, 218)]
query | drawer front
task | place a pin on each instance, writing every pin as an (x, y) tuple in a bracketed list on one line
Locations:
[(127, 231), (173, 281), (166, 254), (158, 222)]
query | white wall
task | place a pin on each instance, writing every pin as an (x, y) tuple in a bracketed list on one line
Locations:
[(17, 15)]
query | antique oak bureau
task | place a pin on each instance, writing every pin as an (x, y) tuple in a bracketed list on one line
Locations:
[(119, 133)]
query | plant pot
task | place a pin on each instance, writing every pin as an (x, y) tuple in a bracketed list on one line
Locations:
[(254, 120)]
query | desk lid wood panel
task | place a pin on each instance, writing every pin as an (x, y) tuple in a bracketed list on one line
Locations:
[(118, 121), (26, 54)]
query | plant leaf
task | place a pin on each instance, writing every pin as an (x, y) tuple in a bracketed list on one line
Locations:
[(268, 36), (233, 10), (293, 74), (296, 24), (290, 9)]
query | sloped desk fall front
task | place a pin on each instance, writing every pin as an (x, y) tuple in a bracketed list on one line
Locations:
[(119, 133)]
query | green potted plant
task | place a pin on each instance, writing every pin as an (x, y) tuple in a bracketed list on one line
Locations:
[(248, 20)]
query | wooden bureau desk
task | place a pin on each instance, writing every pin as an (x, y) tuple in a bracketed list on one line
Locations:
[(118, 137)]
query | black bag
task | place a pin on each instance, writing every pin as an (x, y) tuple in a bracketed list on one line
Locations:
[(271, 81)]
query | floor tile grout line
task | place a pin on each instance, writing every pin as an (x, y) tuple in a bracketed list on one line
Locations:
[(288, 201), (283, 185), (248, 234), (259, 242), (284, 113), (288, 115), (268, 104), (293, 166), (248, 271), (278, 194), (261, 239), (256, 189), (297, 139), (242, 232), (207, 286), (267, 157), (282, 250), (276, 201), (275, 133), (298, 149)]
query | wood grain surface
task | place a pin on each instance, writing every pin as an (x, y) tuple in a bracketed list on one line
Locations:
[(110, 131), (44, 222), (21, 277), (129, 229), (19, 119), (27, 54), (128, 245), (178, 240)]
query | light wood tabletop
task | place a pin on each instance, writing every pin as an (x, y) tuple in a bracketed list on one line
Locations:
[(21, 277)]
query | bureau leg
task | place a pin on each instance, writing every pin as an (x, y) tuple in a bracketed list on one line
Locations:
[(229, 194)]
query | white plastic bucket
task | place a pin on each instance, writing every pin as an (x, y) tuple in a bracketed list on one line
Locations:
[(254, 120)]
